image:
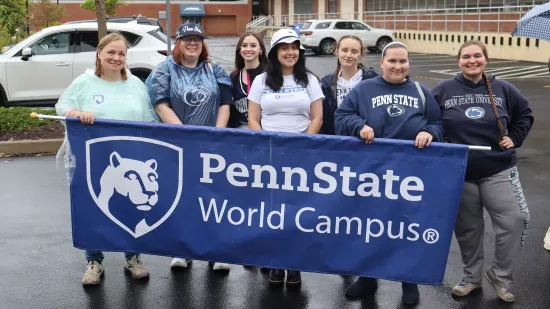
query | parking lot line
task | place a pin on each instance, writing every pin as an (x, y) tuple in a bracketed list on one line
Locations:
[(454, 64), (524, 69)]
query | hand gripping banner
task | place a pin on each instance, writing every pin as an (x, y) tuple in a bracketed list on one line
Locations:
[(314, 203)]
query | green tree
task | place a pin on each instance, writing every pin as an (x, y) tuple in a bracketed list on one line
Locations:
[(110, 5), (12, 16), (47, 13)]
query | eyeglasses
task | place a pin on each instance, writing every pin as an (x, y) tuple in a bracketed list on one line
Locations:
[(188, 40)]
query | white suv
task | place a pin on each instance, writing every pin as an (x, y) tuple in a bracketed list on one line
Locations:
[(320, 36), (38, 69)]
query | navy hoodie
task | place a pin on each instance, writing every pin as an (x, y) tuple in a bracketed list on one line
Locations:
[(468, 118), (393, 111)]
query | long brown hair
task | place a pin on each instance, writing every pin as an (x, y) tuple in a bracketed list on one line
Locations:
[(487, 81), (338, 64), (177, 53), (106, 40), (239, 60)]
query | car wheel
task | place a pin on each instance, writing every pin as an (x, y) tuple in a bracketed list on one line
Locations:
[(382, 42), (372, 49), (327, 47)]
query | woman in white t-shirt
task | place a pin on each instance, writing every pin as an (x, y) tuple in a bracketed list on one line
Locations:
[(286, 98)]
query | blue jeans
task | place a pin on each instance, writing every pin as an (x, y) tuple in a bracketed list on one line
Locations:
[(98, 255)]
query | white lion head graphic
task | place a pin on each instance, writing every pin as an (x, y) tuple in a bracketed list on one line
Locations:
[(131, 178)]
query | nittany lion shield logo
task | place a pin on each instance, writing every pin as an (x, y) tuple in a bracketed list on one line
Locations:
[(136, 189)]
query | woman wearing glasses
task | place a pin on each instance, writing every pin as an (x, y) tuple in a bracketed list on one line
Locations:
[(188, 89)]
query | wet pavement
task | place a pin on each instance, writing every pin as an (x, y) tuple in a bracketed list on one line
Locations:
[(40, 268)]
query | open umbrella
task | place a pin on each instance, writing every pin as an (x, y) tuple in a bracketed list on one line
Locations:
[(535, 24)]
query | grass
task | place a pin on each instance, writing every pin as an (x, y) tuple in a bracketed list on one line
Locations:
[(16, 119)]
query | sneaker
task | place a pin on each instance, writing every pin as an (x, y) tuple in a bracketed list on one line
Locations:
[(93, 274), (502, 293), (547, 240), (219, 266), (276, 277), (362, 288), (411, 296), (293, 278), (180, 263), (136, 268), (464, 288)]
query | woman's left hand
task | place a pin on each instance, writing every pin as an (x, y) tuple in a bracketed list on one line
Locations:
[(506, 143), (423, 139)]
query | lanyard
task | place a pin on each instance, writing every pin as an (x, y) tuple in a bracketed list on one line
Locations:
[(247, 81)]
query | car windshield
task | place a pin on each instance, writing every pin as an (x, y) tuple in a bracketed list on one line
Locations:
[(157, 33), (305, 26)]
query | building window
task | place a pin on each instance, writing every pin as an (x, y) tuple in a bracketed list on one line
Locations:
[(332, 6)]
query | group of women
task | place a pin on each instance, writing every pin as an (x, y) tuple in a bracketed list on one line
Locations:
[(275, 91)]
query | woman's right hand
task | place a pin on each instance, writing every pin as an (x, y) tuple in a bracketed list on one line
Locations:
[(85, 117), (367, 133)]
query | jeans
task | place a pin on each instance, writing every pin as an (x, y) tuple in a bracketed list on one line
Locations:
[(98, 255)]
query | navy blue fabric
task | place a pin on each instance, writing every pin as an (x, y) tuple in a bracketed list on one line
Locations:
[(468, 118), (535, 23)]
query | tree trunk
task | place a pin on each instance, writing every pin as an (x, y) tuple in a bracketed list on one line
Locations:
[(101, 18)]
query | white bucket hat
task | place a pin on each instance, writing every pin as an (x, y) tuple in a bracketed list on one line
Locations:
[(285, 36)]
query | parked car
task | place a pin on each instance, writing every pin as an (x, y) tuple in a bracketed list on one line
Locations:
[(142, 20), (320, 36), (38, 69)]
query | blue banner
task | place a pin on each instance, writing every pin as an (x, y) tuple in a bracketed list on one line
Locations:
[(314, 203)]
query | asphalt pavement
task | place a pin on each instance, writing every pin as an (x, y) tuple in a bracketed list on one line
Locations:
[(39, 267)]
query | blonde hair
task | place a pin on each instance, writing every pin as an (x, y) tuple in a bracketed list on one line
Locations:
[(338, 64), (106, 40)]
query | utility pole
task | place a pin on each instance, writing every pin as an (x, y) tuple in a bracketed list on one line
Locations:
[(168, 33)]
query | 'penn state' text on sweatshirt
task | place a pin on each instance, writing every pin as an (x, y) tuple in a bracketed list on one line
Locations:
[(394, 111), (468, 118)]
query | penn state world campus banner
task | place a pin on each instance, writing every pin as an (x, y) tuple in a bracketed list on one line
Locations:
[(314, 203)]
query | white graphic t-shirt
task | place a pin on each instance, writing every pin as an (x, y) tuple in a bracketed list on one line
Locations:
[(344, 86), (286, 110)]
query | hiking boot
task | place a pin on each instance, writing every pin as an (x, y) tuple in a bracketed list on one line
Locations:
[(276, 277), (464, 288), (219, 266), (411, 296), (135, 267), (93, 274), (293, 278), (502, 293), (362, 288), (180, 263)]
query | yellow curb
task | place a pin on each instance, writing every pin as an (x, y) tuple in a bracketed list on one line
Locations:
[(30, 146)]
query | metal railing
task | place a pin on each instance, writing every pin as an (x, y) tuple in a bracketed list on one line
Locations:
[(490, 19), (260, 23)]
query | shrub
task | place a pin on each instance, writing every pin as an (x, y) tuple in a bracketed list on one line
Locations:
[(16, 119)]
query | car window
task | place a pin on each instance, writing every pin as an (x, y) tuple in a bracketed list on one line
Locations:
[(88, 41), (343, 25), (358, 26), (323, 25), (56, 43), (132, 38), (306, 25)]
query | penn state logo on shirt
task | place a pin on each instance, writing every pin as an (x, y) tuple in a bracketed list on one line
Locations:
[(98, 98), (395, 110), (196, 96), (133, 189), (475, 112)]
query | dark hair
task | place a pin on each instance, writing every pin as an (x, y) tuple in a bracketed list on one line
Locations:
[(338, 64), (393, 45), (239, 60), (274, 76), (177, 53), (487, 81)]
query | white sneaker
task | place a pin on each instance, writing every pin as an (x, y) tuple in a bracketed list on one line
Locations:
[(220, 266), (547, 240), (179, 262), (464, 288), (93, 274), (502, 293)]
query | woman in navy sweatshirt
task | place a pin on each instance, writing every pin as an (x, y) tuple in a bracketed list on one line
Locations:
[(390, 106), (478, 109)]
